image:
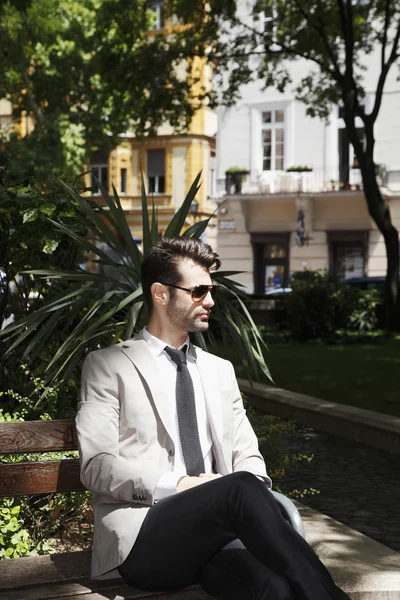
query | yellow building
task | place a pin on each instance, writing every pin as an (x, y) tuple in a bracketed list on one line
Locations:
[(169, 163)]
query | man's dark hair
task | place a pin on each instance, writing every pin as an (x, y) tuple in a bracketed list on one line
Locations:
[(162, 261)]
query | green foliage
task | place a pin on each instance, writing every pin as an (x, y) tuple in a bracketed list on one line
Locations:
[(85, 71), (319, 306), (28, 240), (236, 171), (362, 316), (86, 314), (312, 308), (299, 169), (32, 398), (15, 541), (275, 439)]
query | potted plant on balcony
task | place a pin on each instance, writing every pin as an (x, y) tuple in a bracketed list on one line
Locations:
[(299, 169), (334, 185), (235, 176)]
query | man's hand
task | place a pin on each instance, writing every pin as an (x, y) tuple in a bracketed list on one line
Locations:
[(186, 482)]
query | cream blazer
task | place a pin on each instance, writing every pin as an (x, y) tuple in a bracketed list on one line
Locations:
[(125, 444)]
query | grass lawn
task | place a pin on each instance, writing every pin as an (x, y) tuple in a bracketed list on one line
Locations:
[(367, 376)]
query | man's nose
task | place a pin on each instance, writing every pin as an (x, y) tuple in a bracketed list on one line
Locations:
[(208, 300)]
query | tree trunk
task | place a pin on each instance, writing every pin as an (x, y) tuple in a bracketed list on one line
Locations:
[(380, 213)]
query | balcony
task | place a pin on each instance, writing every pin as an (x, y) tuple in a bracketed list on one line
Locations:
[(315, 181), (134, 203), (293, 182)]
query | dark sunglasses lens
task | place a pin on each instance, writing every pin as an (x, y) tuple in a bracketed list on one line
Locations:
[(201, 292)]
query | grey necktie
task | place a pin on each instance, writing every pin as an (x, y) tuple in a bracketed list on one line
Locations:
[(186, 411)]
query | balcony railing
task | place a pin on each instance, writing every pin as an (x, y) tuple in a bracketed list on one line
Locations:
[(313, 182), (293, 182), (135, 202)]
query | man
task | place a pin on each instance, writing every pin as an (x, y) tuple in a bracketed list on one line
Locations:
[(180, 490)]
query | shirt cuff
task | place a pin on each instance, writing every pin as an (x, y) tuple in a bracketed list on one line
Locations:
[(167, 485)]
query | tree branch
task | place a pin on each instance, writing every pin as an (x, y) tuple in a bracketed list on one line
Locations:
[(321, 32), (350, 39), (382, 77), (385, 32), (274, 52)]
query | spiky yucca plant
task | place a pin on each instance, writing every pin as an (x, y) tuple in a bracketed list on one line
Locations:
[(91, 310)]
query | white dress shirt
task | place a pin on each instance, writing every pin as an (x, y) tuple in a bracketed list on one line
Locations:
[(167, 370)]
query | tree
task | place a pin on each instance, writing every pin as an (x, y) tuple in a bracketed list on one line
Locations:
[(334, 36), (85, 71)]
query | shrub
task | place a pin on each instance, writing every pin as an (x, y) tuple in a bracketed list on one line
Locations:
[(313, 307), (31, 398), (275, 437), (319, 306), (362, 315)]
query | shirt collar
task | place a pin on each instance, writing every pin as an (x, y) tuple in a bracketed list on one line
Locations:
[(156, 346)]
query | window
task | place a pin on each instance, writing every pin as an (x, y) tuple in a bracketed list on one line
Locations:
[(270, 26), (99, 168), (123, 181), (273, 140), (156, 171), (348, 253), (271, 261), (158, 8), (349, 261)]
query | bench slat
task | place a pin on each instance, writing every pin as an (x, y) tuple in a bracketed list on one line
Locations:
[(37, 436), (40, 477), (82, 592), (41, 570), (65, 576)]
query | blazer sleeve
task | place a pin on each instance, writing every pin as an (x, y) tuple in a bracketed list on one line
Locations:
[(245, 455), (103, 470)]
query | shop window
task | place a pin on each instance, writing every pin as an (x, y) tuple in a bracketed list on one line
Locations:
[(271, 261), (348, 254)]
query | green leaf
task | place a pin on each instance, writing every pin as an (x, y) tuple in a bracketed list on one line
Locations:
[(197, 229), (147, 241), (178, 220)]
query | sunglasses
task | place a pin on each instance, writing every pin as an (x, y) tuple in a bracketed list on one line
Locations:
[(198, 293)]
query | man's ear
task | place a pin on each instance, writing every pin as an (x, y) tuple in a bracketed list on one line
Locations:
[(159, 294)]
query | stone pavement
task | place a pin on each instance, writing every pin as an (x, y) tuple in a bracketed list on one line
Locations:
[(359, 485)]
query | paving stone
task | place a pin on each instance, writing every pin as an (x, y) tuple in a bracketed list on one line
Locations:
[(358, 484)]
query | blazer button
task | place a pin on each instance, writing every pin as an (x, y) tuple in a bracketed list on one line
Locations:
[(171, 453), (135, 497)]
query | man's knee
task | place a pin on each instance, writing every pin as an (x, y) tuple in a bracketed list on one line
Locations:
[(247, 480), (245, 477)]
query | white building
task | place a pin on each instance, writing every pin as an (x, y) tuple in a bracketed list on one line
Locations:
[(268, 132)]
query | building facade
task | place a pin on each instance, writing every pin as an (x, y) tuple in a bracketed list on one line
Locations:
[(300, 204)]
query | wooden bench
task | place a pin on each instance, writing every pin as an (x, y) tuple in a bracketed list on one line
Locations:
[(55, 576)]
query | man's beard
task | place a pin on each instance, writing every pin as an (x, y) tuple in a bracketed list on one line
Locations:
[(185, 321)]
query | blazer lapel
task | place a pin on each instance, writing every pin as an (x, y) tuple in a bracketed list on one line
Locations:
[(214, 406), (137, 351)]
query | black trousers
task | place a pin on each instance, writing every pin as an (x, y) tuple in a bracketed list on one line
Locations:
[(229, 536)]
